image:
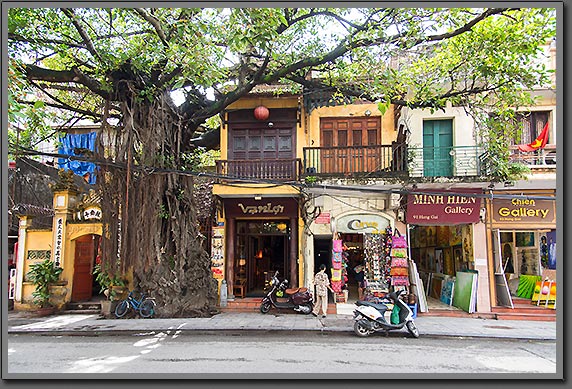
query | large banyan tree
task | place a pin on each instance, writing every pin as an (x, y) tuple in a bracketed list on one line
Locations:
[(120, 67)]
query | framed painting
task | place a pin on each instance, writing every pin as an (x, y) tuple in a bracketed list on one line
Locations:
[(468, 244), (525, 239), (458, 257), (448, 264), (443, 236), (430, 259), (431, 236), (422, 236), (456, 235), (439, 261)]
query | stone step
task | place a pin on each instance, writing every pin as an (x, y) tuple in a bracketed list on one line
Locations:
[(80, 311), (524, 316), (90, 305)]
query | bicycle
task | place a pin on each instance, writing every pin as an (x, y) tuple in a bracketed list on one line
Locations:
[(144, 305)]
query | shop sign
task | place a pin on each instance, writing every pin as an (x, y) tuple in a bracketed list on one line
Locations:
[(369, 223), (323, 218), (449, 207), (58, 241), (524, 210), (261, 208)]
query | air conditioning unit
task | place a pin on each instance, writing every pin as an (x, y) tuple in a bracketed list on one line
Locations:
[(311, 170)]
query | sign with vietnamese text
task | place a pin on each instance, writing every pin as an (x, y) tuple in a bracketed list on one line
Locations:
[(443, 208), (518, 210)]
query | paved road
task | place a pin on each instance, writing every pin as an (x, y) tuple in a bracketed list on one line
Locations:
[(176, 352)]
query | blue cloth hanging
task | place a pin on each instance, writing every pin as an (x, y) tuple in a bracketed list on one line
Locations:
[(68, 144)]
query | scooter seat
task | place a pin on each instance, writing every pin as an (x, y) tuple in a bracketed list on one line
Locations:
[(296, 290), (379, 307)]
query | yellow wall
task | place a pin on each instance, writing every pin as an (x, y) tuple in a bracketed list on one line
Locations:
[(35, 240), (42, 240), (388, 130)]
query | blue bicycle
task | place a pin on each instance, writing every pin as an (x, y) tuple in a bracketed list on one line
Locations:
[(144, 305)]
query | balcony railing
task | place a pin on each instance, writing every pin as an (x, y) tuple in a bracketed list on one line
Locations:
[(375, 161), (542, 158), (456, 161), (276, 169)]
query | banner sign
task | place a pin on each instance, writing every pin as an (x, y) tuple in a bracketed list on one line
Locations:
[(446, 208), (266, 207), (518, 210)]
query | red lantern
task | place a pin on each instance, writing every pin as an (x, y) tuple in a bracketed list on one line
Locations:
[(261, 112)]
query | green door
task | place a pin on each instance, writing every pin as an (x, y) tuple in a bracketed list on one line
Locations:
[(437, 147)]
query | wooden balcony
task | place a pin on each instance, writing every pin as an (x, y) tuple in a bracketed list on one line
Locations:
[(372, 161), (277, 169)]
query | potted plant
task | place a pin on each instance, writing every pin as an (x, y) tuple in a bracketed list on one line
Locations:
[(112, 286), (42, 275)]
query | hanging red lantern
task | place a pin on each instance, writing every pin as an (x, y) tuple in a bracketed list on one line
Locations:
[(261, 112)]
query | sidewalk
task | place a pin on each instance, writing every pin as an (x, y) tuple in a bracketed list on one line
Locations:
[(93, 324)]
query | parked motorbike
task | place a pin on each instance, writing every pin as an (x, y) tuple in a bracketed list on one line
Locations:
[(298, 299), (369, 317)]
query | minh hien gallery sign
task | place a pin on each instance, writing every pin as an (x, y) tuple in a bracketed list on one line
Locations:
[(444, 207)]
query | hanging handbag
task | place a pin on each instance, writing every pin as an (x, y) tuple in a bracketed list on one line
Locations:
[(337, 245), (398, 271), (336, 274), (399, 252), (398, 262), (337, 286), (398, 240), (337, 257)]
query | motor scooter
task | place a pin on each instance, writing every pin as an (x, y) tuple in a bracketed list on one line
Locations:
[(369, 317), (298, 299)]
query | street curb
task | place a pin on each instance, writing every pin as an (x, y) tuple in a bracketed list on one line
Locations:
[(238, 331)]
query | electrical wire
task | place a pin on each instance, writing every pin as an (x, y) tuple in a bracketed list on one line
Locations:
[(235, 180)]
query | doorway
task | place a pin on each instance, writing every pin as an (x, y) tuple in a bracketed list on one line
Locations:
[(262, 249), (83, 280), (437, 148)]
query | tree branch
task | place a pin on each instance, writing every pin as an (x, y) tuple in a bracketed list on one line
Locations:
[(155, 23), (37, 73), (86, 39), (19, 38)]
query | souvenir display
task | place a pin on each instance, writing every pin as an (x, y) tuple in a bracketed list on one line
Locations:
[(399, 268)]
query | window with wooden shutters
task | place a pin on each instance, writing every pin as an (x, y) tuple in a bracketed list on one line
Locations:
[(345, 145)]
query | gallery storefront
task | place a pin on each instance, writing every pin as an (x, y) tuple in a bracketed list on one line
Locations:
[(522, 231), (447, 244)]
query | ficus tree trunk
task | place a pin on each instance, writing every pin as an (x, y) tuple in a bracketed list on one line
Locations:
[(149, 217)]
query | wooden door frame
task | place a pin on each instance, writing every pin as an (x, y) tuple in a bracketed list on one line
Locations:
[(94, 248)]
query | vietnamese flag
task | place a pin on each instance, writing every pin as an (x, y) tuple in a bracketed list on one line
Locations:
[(538, 143)]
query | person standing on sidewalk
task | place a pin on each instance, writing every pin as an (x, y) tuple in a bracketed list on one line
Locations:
[(322, 283), (360, 278)]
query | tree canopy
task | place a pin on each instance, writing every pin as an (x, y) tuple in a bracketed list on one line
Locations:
[(418, 57), (120, 66)]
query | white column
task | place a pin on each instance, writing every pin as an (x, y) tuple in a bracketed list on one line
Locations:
[(23, 226)]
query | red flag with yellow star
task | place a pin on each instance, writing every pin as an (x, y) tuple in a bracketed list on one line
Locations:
[(538, 143)]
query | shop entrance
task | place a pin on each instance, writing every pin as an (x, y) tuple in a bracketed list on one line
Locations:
[(262, 249)]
